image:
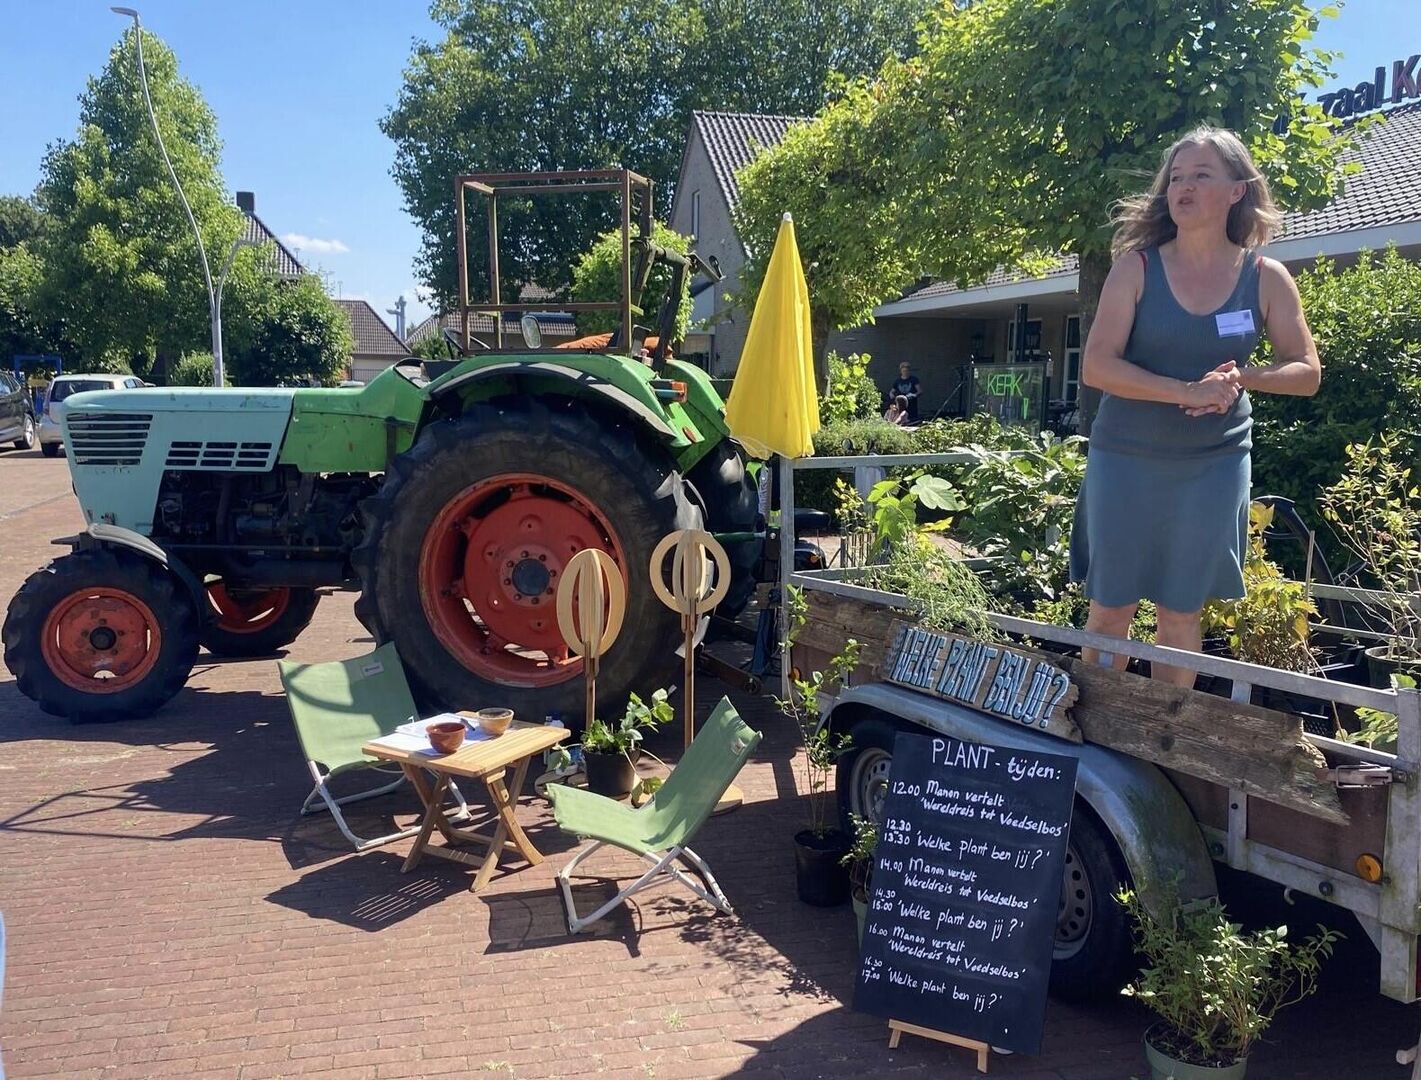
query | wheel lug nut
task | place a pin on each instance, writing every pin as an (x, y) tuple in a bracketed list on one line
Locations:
[(518, 596), (550, 592), (508, 581), (542, 558), (535, 600), (525, 555)]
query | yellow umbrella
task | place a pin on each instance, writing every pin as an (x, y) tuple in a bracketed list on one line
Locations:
[(774, 406)]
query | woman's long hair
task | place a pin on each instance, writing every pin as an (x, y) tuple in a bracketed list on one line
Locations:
[(1143, 221)]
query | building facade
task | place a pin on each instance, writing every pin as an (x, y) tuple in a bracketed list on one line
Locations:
[(959, 341)]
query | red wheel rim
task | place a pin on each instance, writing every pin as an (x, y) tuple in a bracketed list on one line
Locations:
[(101, 640), (489, 569), (245, 611)]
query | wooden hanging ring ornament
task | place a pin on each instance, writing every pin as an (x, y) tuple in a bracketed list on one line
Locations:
[(594, 580), (698, 554)]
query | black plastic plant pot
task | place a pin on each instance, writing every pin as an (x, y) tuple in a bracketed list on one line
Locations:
[(820, 878), (612, 775), (1382, 665)]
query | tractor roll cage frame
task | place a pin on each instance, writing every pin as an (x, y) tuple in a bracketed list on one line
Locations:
[(492, 186)]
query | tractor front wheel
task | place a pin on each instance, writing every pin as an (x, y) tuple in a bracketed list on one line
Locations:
[(101, 635), (469, 537), (255, 622)]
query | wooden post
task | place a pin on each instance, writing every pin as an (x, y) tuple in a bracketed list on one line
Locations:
[(592, 578), (697, 554)]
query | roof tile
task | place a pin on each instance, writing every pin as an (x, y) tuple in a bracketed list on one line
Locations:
[(372, 336), (733, 140)]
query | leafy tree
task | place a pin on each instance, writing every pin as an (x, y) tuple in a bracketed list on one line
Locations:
[(285, 332), (120, 260), (593, 84), (20, 220), (987, 149), (1366, 321), (598, 276), (194, 369)]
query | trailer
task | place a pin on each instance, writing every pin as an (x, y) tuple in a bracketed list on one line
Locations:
[(1172, 782)]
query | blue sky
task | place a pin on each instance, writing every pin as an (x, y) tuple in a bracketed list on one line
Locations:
[(299, 85)]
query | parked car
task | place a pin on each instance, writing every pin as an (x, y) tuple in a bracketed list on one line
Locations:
[(17, 412), (51, 434)]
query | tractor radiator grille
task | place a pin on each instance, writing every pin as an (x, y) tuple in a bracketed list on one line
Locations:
[(108, 438), (241, 456)]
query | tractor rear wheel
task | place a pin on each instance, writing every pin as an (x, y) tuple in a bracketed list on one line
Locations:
[(255, 622), (732, 504), (101, 635), (468, 538)]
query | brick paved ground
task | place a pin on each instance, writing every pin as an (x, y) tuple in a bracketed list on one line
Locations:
[(170, 915)]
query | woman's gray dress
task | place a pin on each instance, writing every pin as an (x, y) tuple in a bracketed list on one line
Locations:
[(1163, 510)]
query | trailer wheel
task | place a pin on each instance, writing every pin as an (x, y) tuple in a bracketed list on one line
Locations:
[(861, 778), (256, 622), (101, 635), (1093, 956)]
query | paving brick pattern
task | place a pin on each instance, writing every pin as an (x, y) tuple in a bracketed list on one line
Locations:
[(170, 915)]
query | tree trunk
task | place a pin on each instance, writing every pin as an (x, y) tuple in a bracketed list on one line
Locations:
[(1094, 266)]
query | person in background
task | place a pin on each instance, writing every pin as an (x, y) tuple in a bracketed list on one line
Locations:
[(906, 386), (898, 411), (1163, 511)]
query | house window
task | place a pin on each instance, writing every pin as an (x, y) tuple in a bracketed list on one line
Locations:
[(696, 214), (1071, 384), (1033, 339)]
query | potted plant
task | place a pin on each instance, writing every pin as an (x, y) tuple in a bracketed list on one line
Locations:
[(1375, 509), (1214, 987), (610, 751), (859, 860), (821, 878)]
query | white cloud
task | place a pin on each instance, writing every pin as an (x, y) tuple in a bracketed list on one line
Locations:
[(313, 245)]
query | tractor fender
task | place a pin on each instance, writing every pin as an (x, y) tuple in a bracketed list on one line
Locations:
[(102, 534), (638, 400), (1153, 826)]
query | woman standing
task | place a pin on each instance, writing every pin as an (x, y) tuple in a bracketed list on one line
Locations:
[(1163, 511)]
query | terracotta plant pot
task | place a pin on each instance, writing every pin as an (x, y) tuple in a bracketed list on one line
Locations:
[(446, 736), (819, 878), (494, 721), (1165, 1067), (612, 775)]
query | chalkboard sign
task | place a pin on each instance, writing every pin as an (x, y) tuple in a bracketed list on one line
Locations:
[(966, 887)]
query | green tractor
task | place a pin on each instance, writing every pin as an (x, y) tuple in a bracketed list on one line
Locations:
[(452, 499)]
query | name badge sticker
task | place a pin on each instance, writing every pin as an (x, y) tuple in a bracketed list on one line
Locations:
[(1234, 323)]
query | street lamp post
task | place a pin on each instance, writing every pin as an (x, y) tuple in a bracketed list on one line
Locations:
[(214, 295)]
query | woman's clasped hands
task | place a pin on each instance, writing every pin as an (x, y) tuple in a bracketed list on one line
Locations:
[(1216, 392)]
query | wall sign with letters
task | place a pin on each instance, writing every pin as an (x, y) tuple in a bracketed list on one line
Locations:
[(985, 675), (1392, 85)]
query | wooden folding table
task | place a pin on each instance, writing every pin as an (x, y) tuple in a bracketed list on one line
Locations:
[(482, 758)]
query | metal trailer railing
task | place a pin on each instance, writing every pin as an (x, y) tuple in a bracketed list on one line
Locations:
[(1389, 910)]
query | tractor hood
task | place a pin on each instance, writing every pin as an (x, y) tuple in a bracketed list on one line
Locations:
[(120, 442)]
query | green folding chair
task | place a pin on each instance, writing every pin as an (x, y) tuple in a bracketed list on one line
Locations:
[(660, 830), (337, 708)]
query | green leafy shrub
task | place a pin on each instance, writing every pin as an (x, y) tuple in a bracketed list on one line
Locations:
[(852, 394), (1215, 987), (1269, 624), (815, 488), (1019, 511), (194, 369), (1366, 321)]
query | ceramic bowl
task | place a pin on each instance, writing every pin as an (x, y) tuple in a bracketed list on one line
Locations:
[(446, 736), (494, 721)]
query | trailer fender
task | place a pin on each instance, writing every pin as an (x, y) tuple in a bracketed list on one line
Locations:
[(1160, 841), (101, 534)]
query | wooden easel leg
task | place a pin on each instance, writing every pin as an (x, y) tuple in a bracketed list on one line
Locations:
[(897, 1027)]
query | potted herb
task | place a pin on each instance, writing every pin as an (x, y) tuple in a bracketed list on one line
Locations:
[(859, 860), (1375, 509), (610, 750), (1215, 988), (821, 878)]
